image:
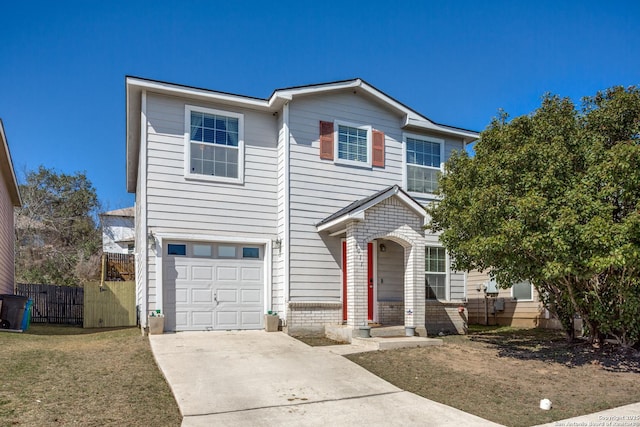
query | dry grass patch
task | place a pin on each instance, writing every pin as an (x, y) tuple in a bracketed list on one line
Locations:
[(501, 375), (57, 375)]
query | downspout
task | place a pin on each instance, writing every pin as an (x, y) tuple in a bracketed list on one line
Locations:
[(287, 205)]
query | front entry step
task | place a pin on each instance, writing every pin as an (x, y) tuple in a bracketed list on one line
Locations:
[(387, 331)]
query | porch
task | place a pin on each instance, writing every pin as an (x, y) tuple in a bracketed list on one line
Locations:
[(383, 261)]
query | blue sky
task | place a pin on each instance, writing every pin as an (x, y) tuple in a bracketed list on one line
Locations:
[(63, 63)]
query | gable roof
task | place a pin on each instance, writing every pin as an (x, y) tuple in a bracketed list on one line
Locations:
[(355, 211), (8, 172), (135, 86)]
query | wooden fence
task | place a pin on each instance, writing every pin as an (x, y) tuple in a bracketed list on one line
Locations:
[(118, 267), (54, 304), (109, 305)]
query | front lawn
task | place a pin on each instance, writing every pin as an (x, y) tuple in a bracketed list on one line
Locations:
[(59, 375), (501, 374)]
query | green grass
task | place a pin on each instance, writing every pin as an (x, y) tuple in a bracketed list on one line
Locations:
[(57, 375)]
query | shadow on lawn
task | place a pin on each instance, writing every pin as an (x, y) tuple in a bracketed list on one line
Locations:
[(552, 347)]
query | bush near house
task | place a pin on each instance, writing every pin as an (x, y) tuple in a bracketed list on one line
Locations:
[(553, 198)]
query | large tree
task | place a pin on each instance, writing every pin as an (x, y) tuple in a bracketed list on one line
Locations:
[(57, 237), (554, 198)]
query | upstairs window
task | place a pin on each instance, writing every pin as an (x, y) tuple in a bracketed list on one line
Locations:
[(352, 144), (215, 144), (423, 163), (435, 272), (356, 145)]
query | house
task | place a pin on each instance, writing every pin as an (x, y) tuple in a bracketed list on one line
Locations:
[(118, 231), (9, 199), (308, 203), (518, 306)]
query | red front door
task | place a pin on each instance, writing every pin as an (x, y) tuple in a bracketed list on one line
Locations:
[(370, 281)]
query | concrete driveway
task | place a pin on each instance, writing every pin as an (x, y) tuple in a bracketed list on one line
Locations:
[(265, 379)]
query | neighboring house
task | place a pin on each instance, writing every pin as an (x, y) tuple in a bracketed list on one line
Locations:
[(118, 231), (308, 203), (9, 199), (518, 306)]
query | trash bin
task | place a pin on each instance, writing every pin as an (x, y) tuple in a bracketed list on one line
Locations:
[(26, 318), (12, 311)]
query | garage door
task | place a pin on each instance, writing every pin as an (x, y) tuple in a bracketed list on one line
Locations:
[(213, 286)]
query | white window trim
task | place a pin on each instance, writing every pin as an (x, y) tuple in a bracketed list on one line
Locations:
[(520, 299), (405, 175), (338, 160), (447, 272), (187, 145)]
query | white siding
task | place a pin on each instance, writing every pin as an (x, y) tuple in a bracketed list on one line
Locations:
[(319, 187), (177, 205), (140, 277), (7, 238), (117, 232), (278, 296)]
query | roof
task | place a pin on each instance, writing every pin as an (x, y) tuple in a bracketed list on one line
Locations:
[(8, 172), (355, 210), (121, 212), (136, 86)]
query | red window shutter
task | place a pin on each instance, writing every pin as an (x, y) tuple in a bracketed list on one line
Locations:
[(326, 140), (378, 149)]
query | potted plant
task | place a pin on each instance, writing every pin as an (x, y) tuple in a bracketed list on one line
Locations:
[(271, 321), (156, 322)]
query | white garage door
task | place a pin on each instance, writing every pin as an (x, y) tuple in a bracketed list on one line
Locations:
[(211, 286)]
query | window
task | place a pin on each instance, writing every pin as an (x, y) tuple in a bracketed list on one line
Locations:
[(423, 163), (131, 248), (202, 250), (173, 249), (226, 251), (250, 252), (522, 291), (435, 272), (360, 146), (214, 144), (352, 144)]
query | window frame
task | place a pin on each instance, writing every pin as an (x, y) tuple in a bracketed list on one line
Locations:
[(445, 274), (187, 145), (336, 144), (520, 299), (405, 164)]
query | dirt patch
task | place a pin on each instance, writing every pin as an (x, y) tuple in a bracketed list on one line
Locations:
[(502, 374)]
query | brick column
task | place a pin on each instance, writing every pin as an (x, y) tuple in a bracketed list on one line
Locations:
[(356, 277), (414, 288)]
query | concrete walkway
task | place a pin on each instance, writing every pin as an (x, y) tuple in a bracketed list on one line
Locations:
[(265, 379)]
